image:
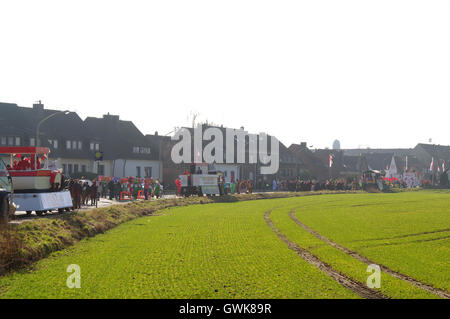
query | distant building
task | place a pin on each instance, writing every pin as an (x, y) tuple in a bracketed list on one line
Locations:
[(64, 134), (336, 145), (312, 166), (126, 151)]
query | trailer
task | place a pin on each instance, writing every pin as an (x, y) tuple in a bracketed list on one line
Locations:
[(42, 202), (201, 179), (36, 187)]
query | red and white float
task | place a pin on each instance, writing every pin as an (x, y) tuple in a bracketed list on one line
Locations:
[(36, 187)]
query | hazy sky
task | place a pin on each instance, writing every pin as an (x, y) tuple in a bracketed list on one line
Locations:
[(369, 73)]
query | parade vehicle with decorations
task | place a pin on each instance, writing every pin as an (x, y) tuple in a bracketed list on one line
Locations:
[(201, 179), (6, 194), (372, 180), (37, 187)]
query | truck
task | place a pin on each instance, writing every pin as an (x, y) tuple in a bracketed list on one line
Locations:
[(201, 179)]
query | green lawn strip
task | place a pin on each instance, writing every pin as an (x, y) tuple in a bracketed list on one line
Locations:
[(428, 262), (23, 244), (367, 223), (347, 265), (200, 251)]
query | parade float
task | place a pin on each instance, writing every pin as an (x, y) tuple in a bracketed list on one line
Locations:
[(201, 179), (36, 186)]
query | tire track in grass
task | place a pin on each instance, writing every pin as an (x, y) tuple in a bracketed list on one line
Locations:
[(402, 236), (355, 286), (439, 292)]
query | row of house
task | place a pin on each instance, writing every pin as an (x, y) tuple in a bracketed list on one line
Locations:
[(124, 150), (111, 146)]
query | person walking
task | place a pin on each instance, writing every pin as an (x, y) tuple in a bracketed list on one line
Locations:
[(157, 189), (146, 186), (111, 189), (178, 186)]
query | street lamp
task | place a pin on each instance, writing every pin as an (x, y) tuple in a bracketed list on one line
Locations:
[(45, 119)]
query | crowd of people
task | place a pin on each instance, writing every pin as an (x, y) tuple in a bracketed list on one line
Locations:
[(86, 192), (23, 163), (132, 187), (304, 185)]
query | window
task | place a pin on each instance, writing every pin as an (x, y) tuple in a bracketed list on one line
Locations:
[(101, 169), (17, 141), (148, 171), (53, 143), (70, 168), (80, 145), (74, 145), (141, 150), (138, 171), (11, 140), (75, 168), (68, 145), (64, 168), (83, 168), (3, 140), (94, 146), (32, 141)]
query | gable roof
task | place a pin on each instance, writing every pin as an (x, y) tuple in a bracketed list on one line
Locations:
[(119, 137), (311, 162), (437, 151), (23, 121)]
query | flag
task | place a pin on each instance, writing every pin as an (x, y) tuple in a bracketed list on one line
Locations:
[(432, 164), (406, 168), (443, 166), (438, 168), (331, 160)]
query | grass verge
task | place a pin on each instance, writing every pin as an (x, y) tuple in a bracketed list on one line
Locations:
[(25, 243)]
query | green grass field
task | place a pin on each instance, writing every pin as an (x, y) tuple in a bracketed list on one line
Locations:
[(229, 251)]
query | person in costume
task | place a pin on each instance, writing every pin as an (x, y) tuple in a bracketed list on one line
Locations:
[(157, 189), (178, 185)]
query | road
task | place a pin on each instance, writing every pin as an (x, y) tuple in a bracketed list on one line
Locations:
[(21, 216)]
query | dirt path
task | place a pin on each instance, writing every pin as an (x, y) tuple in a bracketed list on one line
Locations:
[(355, 286), (439, 292)]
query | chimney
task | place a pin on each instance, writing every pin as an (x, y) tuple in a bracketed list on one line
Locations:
[(156, 133), (38, 106), (303, 145), (112, 123), (111, 119)]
